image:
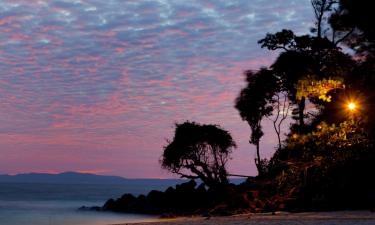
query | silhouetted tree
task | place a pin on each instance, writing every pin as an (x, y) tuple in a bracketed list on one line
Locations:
[(256, 102), (329, 151), (330, 155), (305, 56), (321, 8), (353, 20), (305, 60), (199, 151)]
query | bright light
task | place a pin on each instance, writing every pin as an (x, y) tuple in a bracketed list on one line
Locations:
[(352, 106)]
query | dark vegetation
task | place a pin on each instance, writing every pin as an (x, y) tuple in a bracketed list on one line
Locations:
[(326, 159), (202, 150)]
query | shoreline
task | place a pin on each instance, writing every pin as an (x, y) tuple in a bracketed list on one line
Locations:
[(279, 218)]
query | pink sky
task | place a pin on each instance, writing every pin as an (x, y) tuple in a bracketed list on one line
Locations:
[(96, 86)]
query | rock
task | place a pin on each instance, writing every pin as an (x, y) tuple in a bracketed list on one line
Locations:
[(206, 214), (109, 205), (91, 208), (167, 216), (221, 210)]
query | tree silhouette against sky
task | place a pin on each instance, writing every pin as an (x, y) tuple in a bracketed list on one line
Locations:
[(199, 151)]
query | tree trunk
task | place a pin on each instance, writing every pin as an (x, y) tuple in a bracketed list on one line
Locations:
[(301, 109), (258, 161)]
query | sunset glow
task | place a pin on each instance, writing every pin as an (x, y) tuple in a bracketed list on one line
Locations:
[(98, 85)]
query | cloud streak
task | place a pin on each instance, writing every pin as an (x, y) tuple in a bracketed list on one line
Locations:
[(97, 85)]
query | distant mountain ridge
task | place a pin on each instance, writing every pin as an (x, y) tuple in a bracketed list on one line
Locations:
[(68, 178), (89, 178)]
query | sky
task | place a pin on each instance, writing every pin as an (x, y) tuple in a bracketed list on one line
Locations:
[(97, 86)]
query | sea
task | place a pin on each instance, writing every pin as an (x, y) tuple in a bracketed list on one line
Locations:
[(57, 204)]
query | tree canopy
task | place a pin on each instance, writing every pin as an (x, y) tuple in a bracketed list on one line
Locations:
[(356, 17), (199, 151), (331, 155), (319, 78)]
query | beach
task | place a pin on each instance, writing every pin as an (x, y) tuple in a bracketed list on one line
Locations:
[(279, 218)]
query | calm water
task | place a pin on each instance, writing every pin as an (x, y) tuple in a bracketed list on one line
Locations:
[(56, 204)]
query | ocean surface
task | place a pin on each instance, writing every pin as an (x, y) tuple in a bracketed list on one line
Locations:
[(57, 204)]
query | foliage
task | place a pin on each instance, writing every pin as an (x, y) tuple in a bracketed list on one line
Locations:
[(354, 21), (199, 151), (329, 138), (326, 162), (308, 67), (309, 87), (320, 163), (326, 143), (307, 59), (306, 164)]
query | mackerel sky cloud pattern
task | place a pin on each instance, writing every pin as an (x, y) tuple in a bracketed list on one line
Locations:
[(92, 85)]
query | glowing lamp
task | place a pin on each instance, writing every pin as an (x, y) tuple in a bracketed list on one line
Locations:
[(352, 106)]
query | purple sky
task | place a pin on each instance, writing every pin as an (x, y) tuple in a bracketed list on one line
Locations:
[(96, 86)]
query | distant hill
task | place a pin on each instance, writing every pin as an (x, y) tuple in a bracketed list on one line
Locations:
[(75, 178), (67, 177), (86, 178)]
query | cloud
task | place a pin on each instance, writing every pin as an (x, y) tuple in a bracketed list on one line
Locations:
[(110, 78)]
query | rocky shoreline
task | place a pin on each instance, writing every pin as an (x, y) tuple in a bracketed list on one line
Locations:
[(189, 199)]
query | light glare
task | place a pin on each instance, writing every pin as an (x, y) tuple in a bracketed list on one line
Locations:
[(352, 106)]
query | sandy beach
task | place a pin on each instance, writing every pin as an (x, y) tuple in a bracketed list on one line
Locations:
[(281, 218)]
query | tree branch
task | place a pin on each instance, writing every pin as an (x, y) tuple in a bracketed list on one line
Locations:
[(344, 37), (182, 175)]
